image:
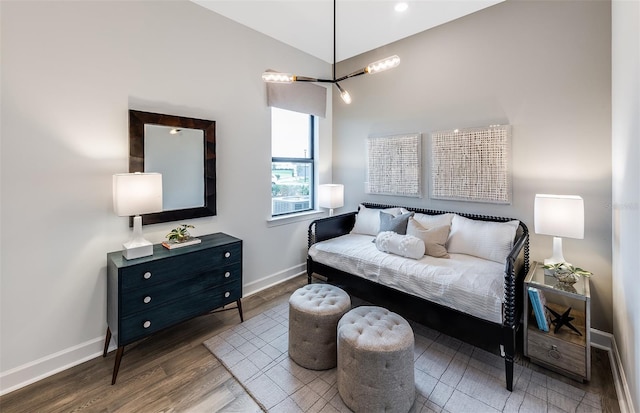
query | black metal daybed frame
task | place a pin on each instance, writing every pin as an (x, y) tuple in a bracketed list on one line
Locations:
[(495, 337)]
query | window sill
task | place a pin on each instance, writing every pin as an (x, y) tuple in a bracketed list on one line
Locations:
[(292, 218)]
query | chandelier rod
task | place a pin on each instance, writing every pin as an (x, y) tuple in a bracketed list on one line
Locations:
[(334, 40)]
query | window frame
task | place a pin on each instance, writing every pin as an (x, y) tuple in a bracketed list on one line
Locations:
[(309, 160)]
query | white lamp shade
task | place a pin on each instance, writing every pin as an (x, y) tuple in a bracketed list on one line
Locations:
[(331, 196), (137, 193), (559, 215)]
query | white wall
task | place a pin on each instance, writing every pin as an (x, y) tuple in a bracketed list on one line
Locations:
[(541, 66), (626, 190), (70, 72)]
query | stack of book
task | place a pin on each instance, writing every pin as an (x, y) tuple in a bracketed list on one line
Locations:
[(179, 244), (538, 303)]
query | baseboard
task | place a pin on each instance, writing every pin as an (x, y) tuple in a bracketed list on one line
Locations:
[(607, 341), (601, 340), (622, 386), (271, 280), (44, 367), (36, 370)]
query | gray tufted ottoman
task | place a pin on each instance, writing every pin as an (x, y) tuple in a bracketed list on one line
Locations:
[(314, 312), (375, 361)]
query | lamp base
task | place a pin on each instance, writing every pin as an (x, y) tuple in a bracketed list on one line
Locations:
[(557, 257), (137, 246), (138, 251)]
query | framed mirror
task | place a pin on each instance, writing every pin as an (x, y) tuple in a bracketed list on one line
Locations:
[(183, 150)]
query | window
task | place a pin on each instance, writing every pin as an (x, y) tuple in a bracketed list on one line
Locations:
[(292, 138)]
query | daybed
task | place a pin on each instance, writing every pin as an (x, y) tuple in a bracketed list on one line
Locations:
[(468, 287)]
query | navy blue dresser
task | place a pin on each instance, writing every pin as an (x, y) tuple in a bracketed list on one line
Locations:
[(148, 294)]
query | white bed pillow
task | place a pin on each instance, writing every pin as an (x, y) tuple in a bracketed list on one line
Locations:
[(484, 239), (435, 239), (368, 220), (431, 221), (404, 245)]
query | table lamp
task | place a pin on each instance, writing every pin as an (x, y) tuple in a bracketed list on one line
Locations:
[(136, 194), (559, 216), (331, 196)]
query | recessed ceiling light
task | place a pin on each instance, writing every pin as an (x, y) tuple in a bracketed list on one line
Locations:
[(401, 6)]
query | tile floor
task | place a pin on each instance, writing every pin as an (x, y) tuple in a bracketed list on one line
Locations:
[(450, 375)]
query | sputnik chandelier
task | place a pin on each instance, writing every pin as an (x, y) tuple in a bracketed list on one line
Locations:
[(375, 67)]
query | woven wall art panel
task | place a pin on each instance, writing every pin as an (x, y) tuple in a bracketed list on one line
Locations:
[(393, 165), (472, 164)]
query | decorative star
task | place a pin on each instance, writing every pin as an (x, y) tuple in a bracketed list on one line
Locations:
[(562, 320)]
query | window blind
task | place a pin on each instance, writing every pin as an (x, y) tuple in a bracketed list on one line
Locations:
[(298, 97)]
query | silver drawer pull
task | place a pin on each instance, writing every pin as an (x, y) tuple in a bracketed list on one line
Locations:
[(227, 254), (147, 275), (227, 274), (146, 324), (554, 353), (147, 300), (227, 294)]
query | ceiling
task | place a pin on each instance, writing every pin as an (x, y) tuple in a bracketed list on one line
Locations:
[(361, 25)]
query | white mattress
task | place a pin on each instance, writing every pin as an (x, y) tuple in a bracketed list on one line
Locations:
[(472, 285)]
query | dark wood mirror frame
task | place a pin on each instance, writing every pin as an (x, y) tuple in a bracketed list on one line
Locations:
[(137, 120)]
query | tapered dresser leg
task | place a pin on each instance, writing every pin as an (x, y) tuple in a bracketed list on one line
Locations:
[(116, 366), (240, 310), (107, 340)]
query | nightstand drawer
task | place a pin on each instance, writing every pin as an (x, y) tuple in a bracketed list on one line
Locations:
[(166, 270), (553, 351), (145, 298), (141, 324)]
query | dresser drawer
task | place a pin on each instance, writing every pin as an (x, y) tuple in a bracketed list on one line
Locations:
[(144, 298), (143, 323), (168, 269), (553, 351), (151, 293)]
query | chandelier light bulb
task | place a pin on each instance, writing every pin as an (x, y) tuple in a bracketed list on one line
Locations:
[(275, 77), (384, 64), (346, 97)]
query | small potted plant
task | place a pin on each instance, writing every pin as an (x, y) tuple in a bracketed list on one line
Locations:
[(180, 234), (566, 273)]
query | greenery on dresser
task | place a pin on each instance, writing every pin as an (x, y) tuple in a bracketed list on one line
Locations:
[(180, 234)]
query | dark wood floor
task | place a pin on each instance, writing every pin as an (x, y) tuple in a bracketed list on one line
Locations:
[(173, 372)]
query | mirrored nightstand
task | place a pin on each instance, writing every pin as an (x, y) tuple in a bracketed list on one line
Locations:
[(565, 351)]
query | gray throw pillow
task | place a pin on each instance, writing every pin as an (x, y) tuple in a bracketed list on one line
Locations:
[(397, 224), (434, 238)]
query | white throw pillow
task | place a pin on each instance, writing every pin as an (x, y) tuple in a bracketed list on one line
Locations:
[(368, 220), (434, 238), (403, 245), (431, 221), (484, 239)]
